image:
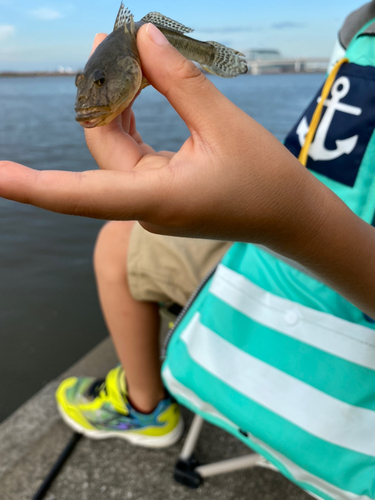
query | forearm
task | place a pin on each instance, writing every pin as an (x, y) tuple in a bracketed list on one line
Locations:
[(326, 237), (305, 221)]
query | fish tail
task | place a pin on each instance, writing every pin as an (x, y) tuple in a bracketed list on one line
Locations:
[(227, 62)]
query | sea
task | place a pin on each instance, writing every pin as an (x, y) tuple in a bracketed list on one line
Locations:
[(49, 311)]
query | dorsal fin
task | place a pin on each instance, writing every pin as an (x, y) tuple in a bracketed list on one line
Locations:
[(132, 25), (165, 22), (122, 18)]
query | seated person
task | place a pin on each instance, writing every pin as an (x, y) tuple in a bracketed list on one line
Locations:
[(136, 271), (230, 180)]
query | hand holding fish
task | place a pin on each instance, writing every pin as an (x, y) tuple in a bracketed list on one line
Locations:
[(231, 180), (229, 170), (113, 74), (125, 141)]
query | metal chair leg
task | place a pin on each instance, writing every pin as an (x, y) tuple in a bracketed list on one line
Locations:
[(245, 462), (189, 472), (185, 468), (192, 438)]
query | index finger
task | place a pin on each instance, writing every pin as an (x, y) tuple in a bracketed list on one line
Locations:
[(99, 194)]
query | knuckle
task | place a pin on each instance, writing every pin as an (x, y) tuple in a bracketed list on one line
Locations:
[(187, 70)]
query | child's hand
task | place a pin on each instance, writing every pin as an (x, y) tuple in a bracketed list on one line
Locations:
[(230, 179)]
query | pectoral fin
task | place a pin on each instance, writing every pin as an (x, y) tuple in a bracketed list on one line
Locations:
[(144, 83)]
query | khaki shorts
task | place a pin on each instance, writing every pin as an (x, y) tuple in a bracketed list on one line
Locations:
[(168, 269)]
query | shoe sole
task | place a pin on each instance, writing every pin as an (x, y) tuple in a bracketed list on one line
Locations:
[(133, 438)]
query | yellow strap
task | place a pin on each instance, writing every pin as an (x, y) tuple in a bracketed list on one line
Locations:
[(318, 111)]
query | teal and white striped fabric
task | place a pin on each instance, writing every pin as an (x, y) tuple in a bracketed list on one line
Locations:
[(298, 379), (277, 358)]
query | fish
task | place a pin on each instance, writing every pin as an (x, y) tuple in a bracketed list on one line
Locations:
[(113, 76)]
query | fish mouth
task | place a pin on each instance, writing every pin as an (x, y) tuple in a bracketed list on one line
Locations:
[(91, 117)]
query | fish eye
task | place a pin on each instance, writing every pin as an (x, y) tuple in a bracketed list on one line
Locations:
[(79, 79), (98, 78)]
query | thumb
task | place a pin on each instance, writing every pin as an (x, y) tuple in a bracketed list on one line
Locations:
[(193, 96)]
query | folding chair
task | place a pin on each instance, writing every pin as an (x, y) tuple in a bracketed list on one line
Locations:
[(296, 384), (188, 471), (191, 473)]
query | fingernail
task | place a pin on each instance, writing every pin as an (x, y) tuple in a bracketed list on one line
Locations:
[(156, 35)]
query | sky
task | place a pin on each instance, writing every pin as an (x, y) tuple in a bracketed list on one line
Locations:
[(45, 35)]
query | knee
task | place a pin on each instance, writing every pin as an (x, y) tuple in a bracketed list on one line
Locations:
[(111, 250)]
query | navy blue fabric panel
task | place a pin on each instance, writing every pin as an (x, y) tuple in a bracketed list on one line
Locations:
[(345, 128)]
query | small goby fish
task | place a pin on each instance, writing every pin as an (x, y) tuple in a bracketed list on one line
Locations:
[(113, 74)]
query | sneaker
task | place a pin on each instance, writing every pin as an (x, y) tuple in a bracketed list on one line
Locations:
[(99, 409)]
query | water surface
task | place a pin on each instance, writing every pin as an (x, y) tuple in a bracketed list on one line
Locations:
[(49, 312)]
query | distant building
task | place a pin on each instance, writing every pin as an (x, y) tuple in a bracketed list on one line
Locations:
[(261, 61), (262, 54), (68, 70)]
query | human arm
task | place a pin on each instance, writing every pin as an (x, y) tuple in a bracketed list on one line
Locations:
[(230, 180)]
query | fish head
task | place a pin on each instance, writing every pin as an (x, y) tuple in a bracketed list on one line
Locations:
[(109, 81)]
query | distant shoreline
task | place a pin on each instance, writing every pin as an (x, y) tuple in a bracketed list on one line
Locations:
[(32, 74)]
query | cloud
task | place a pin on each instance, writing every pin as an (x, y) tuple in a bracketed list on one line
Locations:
[(46, 14), (5, 31), (287, 25)]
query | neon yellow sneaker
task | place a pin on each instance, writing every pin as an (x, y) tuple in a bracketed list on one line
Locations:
[(99, 410)]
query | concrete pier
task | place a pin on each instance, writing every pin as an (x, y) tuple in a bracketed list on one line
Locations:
[(32, 438)]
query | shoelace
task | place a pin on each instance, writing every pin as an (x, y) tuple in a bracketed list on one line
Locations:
[(96, 388), (99, 389)]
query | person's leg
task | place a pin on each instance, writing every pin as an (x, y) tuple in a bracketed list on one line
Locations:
[(136, 271), (133, 325)]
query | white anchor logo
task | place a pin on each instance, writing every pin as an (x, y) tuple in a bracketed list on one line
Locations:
[(317, 149)]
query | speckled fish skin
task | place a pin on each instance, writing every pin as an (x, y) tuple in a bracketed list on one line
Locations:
[(113, 75)]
